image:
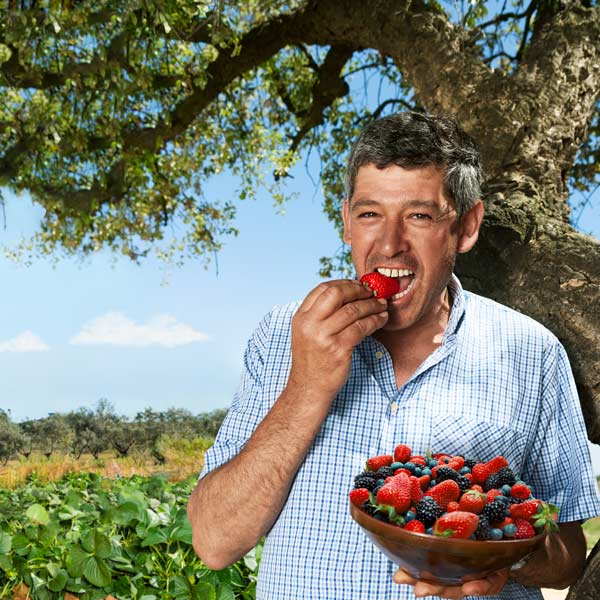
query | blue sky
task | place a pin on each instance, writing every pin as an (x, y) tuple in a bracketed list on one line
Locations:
[(145, 335)]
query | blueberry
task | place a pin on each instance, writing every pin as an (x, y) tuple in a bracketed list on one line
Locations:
[(380, 482), (465, 470), (429, 530), (432, 462), (509, 530), (432, 483), (397, 465), (409, 516), (410, 466), (496, 534), (418, 471), (426, 471), (502, 499), (505, 489)]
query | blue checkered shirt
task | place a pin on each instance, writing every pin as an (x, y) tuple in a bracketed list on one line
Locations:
[(500, 383)]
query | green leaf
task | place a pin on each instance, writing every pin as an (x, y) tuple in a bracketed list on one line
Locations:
[(155, 536), (20, 544), (204, 591), (58, 582), (5, 542), (6, 563), (96, 543), (97, 572), (76, 560), (226, 593), (183, 533), (37, 514), (126, 513)]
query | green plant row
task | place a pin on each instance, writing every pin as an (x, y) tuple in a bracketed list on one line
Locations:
[(92, 537)]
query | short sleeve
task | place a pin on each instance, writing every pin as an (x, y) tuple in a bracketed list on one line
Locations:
[(559, 467), (246, 410)]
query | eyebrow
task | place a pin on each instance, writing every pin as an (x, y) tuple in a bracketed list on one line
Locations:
[(417, 203)]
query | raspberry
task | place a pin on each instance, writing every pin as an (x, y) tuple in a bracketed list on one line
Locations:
[(359, 496), (524, 529)]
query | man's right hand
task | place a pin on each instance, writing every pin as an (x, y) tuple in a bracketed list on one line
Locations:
[(332, 320)]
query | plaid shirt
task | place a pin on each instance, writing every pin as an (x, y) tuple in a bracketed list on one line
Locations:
[(500, 383)]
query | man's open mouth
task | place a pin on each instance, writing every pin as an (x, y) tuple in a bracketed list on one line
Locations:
[(406, 279)]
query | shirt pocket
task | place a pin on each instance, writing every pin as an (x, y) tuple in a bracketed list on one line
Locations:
[(479, 440)]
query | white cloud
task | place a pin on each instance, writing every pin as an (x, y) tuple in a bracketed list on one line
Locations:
[(115, 329), (24, 342)]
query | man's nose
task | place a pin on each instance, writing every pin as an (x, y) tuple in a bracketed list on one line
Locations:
[(394, 238)]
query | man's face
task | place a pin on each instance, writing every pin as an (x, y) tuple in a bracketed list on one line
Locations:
[(400, 219)]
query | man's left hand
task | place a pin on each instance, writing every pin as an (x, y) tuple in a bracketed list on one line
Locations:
[(489, 586)]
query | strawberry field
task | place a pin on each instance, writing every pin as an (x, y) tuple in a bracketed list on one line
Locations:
[(95, 537)]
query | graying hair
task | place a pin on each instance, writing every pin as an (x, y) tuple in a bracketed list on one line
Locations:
[(413, 140)]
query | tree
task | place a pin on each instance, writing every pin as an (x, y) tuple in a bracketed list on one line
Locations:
[(11, 438), (115, 113)]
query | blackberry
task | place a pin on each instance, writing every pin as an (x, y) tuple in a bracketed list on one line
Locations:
[(463, 483), (384, 472), (469, 462), (370, 474), (444, 473), (365, 482), (428, 510), (504, 476), (483, 531), (494, 511)]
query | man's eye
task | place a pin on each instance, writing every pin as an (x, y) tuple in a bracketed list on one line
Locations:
[(366, 214), (420, 216)]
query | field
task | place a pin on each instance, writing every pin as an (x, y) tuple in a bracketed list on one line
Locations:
[(108, 527)]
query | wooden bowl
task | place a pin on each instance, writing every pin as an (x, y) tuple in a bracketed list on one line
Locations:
[(443, 560)]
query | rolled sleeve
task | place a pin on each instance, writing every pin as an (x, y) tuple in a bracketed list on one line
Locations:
[(559, 467), (246, 411)]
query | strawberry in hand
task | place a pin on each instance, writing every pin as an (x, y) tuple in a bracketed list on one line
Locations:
[(382, 286)]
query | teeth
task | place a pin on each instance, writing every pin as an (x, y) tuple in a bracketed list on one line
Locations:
[(394, 272), (401, 294)]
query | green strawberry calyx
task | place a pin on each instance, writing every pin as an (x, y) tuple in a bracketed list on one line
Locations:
[(545, 517)]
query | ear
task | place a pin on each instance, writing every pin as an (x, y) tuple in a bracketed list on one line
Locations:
[(346, 237), (469, 227)]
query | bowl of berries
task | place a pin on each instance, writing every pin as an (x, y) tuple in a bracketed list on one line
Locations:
[(447, 519)]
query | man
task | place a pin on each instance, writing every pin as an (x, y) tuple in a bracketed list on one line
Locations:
[(344, 376)]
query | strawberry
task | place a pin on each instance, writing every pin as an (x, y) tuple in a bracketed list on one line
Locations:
[(476, 487), (479, 473), (457, 524), (359, 496), (396, 493), (424, 481), (524, 510), (524, 529), (457, 463), (521, 491), (416, 493), (416, 526), (468, 476), (491, 495), (398, 471), (452, 506), (444, 492), (472, 501), (376, 462), (402, 453), (382, 286), (418, 460)]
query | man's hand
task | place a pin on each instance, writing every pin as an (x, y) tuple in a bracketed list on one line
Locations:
[(332, 320), (489, 586)]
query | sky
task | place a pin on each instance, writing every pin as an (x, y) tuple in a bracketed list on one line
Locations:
[(151, 336)]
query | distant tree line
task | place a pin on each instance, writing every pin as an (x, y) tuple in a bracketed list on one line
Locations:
[(93, 431)]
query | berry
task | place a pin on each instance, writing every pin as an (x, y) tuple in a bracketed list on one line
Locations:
[(483, 529), (491, 495), (457, 524), (428, 510), (402, 453), (418, 460), (444, 473), (424, 481), (410, 515), (463, 483), (416, 526), (504, 476), (382, 286), (396, 492), (365, 482), (481, 471), (376, 462), (494, 511), (453, 506), (398, 471), (505, 489), (524, 510), (521, 491), (496, 534), (470, 463), (416, 493), (472, 501), (509, 530), (384, 472), (444, 492), (524, 529), (359, 496)]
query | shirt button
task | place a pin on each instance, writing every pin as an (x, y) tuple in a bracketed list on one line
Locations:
[(379, 354), (394, 407)]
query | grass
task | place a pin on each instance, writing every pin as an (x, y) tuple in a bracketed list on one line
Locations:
[(183, 457)]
